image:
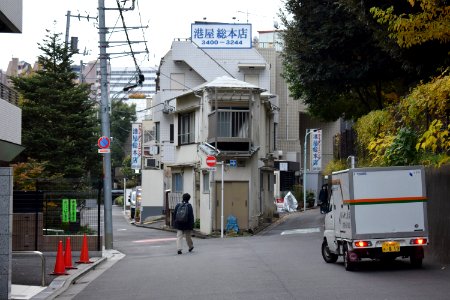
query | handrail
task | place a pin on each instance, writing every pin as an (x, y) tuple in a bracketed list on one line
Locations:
[(39, 253), (8, 94)]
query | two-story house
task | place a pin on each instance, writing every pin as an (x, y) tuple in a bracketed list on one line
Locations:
[(211, 101)]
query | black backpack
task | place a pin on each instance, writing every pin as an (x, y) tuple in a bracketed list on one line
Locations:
[(182, 216)]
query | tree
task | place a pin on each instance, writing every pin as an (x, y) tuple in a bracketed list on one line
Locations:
[(340, 61), (430, 22), (59, 125), (332, 61), (121, 117)]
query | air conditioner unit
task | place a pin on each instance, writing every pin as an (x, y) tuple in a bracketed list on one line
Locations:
[(151, 163)]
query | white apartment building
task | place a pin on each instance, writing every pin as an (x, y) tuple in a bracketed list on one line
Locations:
[(121, 78)]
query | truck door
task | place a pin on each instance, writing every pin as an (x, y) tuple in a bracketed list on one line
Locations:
[(332, 217)]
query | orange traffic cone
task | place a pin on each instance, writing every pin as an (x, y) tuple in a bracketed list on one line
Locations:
[(60, 268), (68, 255), (84, 255)]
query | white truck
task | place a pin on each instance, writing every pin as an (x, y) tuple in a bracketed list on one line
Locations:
[(376, 213)]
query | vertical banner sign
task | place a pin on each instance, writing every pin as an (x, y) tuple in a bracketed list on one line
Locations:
[(221, 35), (136, 155), (73, 210), (316, 150), (65, 211)]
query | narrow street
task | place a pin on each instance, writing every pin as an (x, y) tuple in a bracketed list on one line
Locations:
[(283, 262)]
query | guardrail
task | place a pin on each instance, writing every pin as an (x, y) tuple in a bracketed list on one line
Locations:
[(26, 253), (8, 94)]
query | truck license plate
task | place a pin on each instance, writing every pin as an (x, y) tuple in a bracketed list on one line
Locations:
[(390, 247)]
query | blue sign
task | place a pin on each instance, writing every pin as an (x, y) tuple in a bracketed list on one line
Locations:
[(233, 163), (222, 35)]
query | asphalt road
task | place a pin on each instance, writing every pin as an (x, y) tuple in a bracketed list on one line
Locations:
[(283, 262)]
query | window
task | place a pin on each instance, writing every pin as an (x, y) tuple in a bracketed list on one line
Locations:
[(177, 183), (157, 131), (186, 128), (206, 182), (172, 133)]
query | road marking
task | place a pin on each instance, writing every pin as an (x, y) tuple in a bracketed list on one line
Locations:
[(122, 229), (155, 240), (301, 231)]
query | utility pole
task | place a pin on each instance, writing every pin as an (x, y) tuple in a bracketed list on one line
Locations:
[(104, 112), (67, 28)]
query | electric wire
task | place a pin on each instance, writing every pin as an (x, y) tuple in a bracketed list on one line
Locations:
[(128, 38)]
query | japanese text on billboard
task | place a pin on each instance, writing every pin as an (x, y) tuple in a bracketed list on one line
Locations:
[(316, 150), (221, 35), (136, 133)]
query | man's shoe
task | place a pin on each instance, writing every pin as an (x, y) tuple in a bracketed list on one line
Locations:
[(190, 249), (179, 252)]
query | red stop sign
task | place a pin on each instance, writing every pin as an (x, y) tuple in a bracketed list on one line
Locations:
[(211, 161)]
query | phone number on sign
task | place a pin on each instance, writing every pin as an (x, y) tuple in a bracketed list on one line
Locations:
[(216, 42)]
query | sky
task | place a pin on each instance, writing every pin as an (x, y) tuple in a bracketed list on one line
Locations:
[(166, 20)]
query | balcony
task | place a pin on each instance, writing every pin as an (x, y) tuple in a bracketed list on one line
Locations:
[(229, 129), (9, 94)]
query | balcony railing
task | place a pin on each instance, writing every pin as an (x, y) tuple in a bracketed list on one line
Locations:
[(229, 125), (8, 94)]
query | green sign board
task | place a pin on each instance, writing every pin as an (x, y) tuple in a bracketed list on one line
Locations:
[(65, 210), (73, 210), (69, 210)]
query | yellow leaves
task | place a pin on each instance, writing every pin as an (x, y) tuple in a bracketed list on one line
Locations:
[(427, 99), (372, 125), (431, 23), (377, 148), (436, 140)]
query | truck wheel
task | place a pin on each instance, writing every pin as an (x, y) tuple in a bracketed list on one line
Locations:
[(349, 266), (327, 255), (416, 257), (416, 262)]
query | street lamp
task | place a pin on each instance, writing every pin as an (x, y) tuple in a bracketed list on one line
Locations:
[(308, 131)]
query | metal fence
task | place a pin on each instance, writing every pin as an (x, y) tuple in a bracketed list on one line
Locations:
[(8, 94), (62, 208)]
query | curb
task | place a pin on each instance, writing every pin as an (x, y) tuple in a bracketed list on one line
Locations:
[(62, 283)]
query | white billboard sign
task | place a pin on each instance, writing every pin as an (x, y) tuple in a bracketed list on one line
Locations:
[(222, 35), (136, 147), (316, 150)]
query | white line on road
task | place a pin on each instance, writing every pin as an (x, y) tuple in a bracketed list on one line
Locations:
[(301, 231), (155, 240)]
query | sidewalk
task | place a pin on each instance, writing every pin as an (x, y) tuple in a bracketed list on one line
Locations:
[(59, 283)]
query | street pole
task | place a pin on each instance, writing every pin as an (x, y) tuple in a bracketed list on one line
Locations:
[(308, 131), (221, 203), (124, 193), (104, 112), (67, 29)]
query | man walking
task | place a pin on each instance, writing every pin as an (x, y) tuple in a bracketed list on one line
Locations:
[(184, 222)]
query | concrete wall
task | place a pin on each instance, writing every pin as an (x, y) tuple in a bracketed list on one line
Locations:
[(438, 192), (12, 10), (152, 193), (6, 192), (10, 122)]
